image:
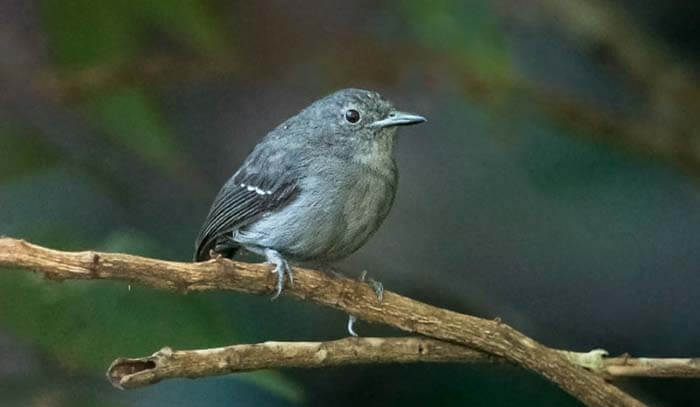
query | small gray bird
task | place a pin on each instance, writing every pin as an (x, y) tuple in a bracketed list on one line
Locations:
[(314, 189)]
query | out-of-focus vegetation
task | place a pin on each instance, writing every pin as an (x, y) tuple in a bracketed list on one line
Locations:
[(555, 184)]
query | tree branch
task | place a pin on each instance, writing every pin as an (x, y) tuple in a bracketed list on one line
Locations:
[(129, 373), (353, 297)]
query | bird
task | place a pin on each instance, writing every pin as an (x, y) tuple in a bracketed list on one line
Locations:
[(314, 189)]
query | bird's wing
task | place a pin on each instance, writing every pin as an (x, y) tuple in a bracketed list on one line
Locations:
[(247, 196)]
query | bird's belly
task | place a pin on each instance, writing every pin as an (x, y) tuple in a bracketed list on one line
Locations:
[(364, 210), (324, 228)]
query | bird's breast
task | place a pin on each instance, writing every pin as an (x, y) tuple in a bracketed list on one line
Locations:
[(368, 199)]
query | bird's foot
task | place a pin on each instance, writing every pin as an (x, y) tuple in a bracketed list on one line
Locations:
[(281, 268), (375, 285), (215, 255), (378, 289)]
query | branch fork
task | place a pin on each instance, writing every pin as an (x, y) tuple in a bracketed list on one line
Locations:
[(446, 336)]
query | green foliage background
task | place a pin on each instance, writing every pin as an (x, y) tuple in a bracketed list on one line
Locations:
[(125, 117)]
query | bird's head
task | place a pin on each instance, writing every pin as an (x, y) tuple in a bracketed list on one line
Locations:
[(354, 120)]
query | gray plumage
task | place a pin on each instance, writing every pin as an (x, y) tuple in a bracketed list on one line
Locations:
[(315, 188)]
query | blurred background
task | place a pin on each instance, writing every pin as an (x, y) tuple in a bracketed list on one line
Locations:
[(555, 184)]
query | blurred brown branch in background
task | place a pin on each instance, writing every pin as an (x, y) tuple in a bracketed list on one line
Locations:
[(670, 128), (488, 336), (154, 69), (668, 133), (128, 373)]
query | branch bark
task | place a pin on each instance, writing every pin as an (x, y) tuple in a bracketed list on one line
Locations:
[(353, 297), (128, 373)]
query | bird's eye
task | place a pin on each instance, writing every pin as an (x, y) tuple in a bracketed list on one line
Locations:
[(352, 116)]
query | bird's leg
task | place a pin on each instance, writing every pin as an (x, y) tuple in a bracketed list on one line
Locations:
[(281, 268), (378, 288)]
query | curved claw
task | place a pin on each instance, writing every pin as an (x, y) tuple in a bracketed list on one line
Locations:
[(280, 282), (281, 268), (351, 321), (378, 288)]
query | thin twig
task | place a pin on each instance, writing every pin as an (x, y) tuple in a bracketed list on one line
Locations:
[(653, 367), (353, 297), (128, 373)]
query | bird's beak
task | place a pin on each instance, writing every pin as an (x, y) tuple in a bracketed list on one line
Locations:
[(396, 118)]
